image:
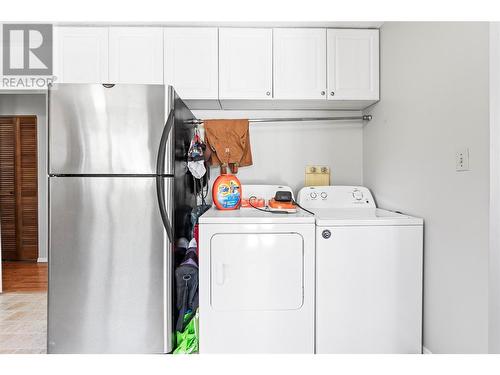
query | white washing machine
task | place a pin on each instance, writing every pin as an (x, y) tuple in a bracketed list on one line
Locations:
[(256, 280), (368, 273)]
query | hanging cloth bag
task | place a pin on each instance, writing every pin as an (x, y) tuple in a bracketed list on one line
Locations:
[(196, 158), (229, 141)]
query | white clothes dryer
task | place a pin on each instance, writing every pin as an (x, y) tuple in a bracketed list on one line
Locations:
[(256, 280)]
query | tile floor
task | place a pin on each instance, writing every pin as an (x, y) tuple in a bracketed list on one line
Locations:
[(23, 323)]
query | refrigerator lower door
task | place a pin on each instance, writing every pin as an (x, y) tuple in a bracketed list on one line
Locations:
[(110, 278)]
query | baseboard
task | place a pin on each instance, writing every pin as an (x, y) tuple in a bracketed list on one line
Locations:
[(42, 260), (425, 350)]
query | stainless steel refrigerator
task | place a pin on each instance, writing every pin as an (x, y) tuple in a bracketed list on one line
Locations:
[(119, 194)]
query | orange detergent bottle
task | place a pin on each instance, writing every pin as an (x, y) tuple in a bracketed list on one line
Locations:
[(226, 192)]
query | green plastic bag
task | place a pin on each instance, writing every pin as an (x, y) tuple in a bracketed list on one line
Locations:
[(188, 340)]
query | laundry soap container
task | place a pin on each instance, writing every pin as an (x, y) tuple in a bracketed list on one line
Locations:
[(226, 192)]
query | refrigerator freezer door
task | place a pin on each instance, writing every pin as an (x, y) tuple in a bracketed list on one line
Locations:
[(95, 129), (110, 287)]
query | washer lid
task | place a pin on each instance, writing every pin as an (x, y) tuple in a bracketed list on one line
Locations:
[(362, 216), (253, 216)]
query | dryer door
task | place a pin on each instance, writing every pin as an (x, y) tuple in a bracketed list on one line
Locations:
[(257, 271)]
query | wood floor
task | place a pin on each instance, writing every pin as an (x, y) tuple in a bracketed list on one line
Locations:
[(24, 277)]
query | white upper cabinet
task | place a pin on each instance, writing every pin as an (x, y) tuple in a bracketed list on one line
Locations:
[(191, 61), (229, 67), (136, 55), (245, 63), (81, 54), (299, 63), (353, 64)]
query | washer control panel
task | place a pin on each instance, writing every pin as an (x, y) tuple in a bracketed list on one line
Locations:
[(336, 197)]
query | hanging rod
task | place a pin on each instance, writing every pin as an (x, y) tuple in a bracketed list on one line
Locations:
[(295, 119)]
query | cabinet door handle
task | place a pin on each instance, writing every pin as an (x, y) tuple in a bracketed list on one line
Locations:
[(332, 93), (323, 93), (268, 93)]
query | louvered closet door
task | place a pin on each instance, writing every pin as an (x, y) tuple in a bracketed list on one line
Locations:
[(7, 187), (26, 192), (18, 188)]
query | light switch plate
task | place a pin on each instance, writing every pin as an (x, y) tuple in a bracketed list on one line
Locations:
[(462, 159)]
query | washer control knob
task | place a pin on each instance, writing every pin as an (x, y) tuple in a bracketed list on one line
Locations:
[(358, 195), (326, 234), (313, 195), (324, 195)]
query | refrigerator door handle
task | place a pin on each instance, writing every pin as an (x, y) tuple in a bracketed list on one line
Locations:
[(160, 170)]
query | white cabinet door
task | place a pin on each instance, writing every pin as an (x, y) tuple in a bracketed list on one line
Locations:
[(246, 69), (353, 64), (136, 55), (191, 61), (81, 54), (300, 64)]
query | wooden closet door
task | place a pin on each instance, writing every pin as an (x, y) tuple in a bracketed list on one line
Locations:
[(27, 188), (7, 187), (19, 188)]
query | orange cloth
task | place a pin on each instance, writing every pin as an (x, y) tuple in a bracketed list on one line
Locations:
[(230, 142)]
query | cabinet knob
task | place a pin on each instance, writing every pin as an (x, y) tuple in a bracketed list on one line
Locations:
[(268, 93), (332, 93), (323, 93)]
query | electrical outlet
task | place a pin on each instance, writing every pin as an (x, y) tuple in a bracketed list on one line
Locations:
[(462, 160), (317, 175)]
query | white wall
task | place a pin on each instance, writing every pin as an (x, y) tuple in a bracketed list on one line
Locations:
[(281, 151), (494, 259), (434, 99), (34, 104)]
